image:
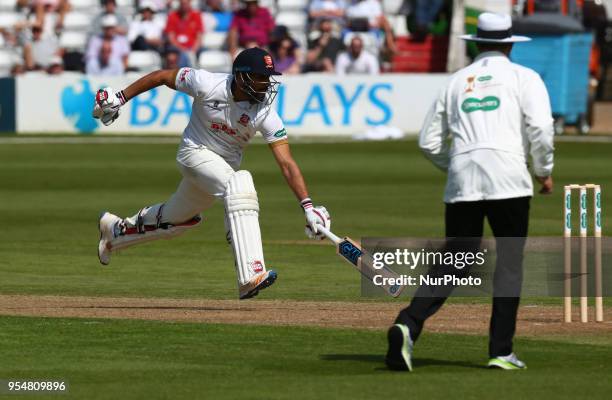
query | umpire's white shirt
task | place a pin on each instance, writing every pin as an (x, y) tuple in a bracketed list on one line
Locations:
[(483, 126)]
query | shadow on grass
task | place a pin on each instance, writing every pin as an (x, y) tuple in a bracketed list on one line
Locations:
[(417, 362)]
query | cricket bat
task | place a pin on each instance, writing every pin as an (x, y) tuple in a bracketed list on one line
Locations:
[(352, 252)]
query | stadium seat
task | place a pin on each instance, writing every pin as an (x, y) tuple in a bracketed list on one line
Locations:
[(127, 12), (213, 40), (84, 5), (73, 40), (145, 61), (270, 5), (292, 5), (126, 7), (125, 3), (8, 19), (215, 61), (7, 5), (292, 20), (218, 22), (300, 37), (77, 21), (391, 6), (7, 59), (210, 22), (427, 56)]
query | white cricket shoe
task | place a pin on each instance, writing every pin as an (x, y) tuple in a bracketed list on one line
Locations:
[(509, 362), (257, 283), (106, 225)]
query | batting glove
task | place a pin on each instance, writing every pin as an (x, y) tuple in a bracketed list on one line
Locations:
[(315, 216), (107, 105)]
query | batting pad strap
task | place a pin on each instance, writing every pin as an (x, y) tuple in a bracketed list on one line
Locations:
[(242, 220), (131, 236), (242, 202)]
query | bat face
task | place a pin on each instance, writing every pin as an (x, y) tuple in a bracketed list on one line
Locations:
[(350, 251)]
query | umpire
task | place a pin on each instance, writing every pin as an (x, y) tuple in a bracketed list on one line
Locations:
[(496, 113)]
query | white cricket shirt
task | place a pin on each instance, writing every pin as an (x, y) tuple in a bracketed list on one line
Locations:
[(483, 126), (366, 63), (218, 122)]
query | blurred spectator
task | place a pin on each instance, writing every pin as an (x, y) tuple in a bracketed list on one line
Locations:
[(323, 48), (22, 4), (221, 11), (56, 66), (218, 5), (161, 6), (251, 26), (370, 10), (120, 48), (110, 7), (146, 32), (327, 9), (356, 60), (423, 14), (184, 30), (367, 15), (285, 57), (106, 62), (40, 52), (43, 9), (281, 32), (19, 32), (171, 59), (17, 69)]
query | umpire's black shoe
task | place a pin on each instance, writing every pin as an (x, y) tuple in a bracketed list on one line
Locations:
[(399, 355)]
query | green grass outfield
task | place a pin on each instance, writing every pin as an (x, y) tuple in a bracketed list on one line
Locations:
[(50, 197), (103, 359), (52, 194)]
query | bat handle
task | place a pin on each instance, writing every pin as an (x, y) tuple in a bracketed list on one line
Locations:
[(329, 234)]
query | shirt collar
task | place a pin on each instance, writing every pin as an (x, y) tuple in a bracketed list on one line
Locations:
[(488, 54)]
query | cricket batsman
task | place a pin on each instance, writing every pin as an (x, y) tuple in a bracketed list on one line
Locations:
[(227, 111)]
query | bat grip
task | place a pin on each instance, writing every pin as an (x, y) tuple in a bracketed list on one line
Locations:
[(329, 234)]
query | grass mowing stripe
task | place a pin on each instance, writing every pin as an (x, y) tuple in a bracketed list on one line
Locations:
[(143, 359), (51, 197)]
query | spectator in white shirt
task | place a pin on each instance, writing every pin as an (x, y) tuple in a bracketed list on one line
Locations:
[(356, 60), (106, 63), (119, 44), (327, 9), (371, 10), (110, 7), (146, 32), (41, 52)]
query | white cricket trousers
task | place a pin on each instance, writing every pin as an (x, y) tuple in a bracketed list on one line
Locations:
[(205, 177)]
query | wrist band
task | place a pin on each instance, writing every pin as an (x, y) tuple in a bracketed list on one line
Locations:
[(306, 203), (121, 96)]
